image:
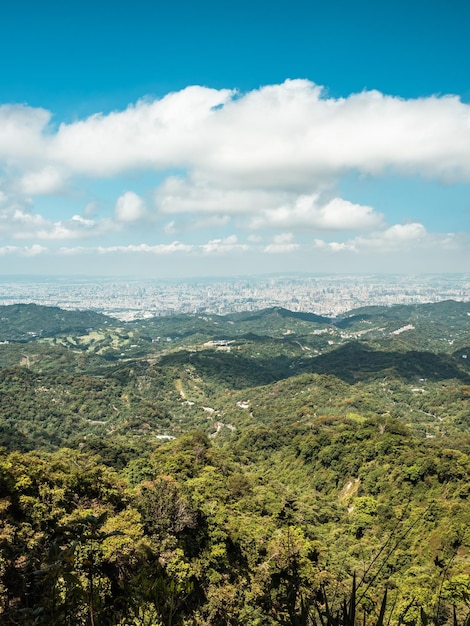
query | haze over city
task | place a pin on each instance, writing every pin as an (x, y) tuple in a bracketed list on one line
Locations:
[(214, 139), (326, 294)]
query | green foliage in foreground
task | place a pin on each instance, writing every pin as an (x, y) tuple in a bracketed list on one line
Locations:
[(194, 534)]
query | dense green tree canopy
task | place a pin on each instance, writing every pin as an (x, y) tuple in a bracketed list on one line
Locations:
[(261, 469)]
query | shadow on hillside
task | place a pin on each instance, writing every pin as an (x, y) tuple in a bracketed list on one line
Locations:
[(445, 313), (351, 363), (231, 371), (356, 362)]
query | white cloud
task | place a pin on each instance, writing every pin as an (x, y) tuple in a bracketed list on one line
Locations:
[(267, 159), (397, 237), (308, 211), (4, 250), (34, 250), (75, 251), (266, 208), (19, 222), (281, 244), (454, 241), (171, 248), (152, 133), (177, 195), (222, 246), (24, 137), (129, 208), (335, 246), (44, 182), (75, 228), (27, 251), (286, 136)]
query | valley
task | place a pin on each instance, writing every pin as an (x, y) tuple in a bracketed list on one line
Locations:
[(256, 467)]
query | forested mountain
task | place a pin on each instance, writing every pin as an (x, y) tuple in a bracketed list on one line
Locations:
[(256, 468), (23, 322)]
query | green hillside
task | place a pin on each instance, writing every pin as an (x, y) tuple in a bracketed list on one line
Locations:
[(258, 468), (25, 322), (441, 326)]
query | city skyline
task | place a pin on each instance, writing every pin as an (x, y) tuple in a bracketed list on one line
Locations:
[(207, 140), (330, 295)]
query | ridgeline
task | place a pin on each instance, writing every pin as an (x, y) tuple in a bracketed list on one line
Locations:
[(256, 468)]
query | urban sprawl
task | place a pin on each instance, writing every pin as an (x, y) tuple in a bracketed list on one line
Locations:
[(322, 294)]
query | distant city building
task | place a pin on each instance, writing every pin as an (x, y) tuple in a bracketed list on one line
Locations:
[(328, 295)]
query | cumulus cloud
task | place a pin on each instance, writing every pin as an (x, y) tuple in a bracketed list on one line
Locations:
[(395, 238), (335, 246), (44, 182), (18, 221), (129, 208), (24, 138), (221, 246), (309, 211), (77, 227), (284, 131), (34, 250), (282, 135), (267, 159), (265, 208), (282, 243), (152, 133), (177, 195)]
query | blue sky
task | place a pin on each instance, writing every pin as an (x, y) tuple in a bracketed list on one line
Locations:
[(211, 138)]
